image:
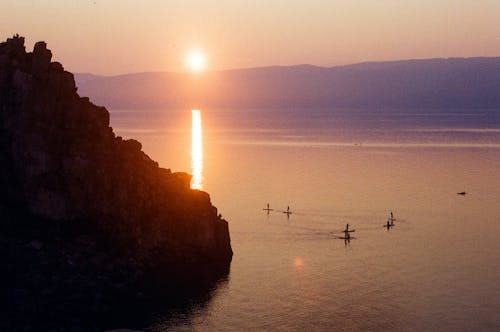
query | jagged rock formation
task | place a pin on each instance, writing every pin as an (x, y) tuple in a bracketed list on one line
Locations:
[(104, 200)]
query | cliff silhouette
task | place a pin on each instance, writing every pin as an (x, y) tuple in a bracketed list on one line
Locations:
[(87, 217)]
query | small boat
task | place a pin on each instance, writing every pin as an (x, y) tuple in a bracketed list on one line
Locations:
[(463, 193), (390, 221), (288, 212), (388, 225), (347, 233), (268, 209)]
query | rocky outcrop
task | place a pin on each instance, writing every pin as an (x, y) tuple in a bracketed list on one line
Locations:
[(80, 192)]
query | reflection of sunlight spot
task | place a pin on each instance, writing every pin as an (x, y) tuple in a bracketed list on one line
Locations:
[(196, 151), (298, 263)]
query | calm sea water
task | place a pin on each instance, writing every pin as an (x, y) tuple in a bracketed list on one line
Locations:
[(437, 269)]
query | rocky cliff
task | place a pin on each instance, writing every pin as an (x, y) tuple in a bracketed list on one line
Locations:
[(75, 197)]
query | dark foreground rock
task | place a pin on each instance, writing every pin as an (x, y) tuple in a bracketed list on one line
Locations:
[(88, 221)]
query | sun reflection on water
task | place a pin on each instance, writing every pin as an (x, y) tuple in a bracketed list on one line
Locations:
[(196, 151), (298, 263)]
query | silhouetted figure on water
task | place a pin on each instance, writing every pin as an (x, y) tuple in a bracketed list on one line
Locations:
[(347, 232), (390, 221), (268, 209), (287, 212)]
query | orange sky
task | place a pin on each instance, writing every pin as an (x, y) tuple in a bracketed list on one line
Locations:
[(120, 36)]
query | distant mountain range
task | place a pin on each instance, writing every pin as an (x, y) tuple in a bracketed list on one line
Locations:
[(430, 83)]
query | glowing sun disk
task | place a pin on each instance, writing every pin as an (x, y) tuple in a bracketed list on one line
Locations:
[(196, 61)]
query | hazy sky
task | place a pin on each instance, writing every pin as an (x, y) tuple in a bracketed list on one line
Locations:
[(121, 36)]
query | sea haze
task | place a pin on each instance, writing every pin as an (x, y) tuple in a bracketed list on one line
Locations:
[(437, 269)]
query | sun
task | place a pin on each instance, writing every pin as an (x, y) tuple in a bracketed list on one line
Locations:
[(196, 61)]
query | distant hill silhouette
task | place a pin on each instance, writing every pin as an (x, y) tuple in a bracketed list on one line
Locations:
[(431, 83)]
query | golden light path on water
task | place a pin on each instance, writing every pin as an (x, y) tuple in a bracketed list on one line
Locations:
[(196, 151)]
